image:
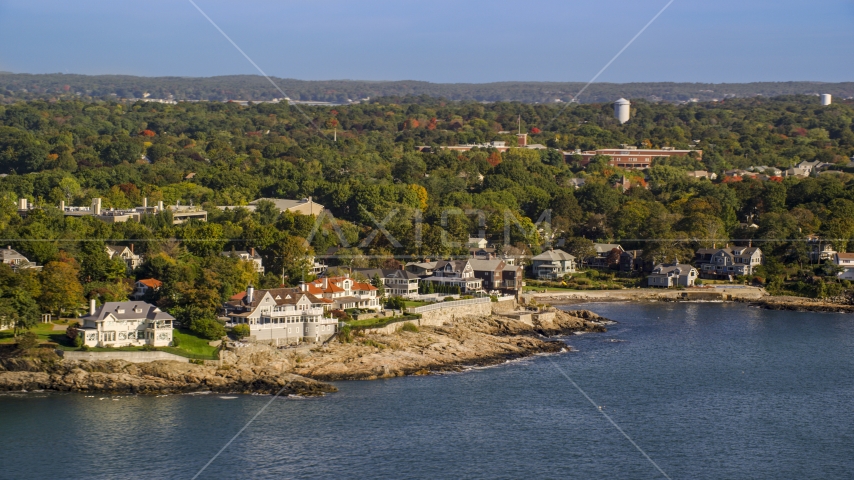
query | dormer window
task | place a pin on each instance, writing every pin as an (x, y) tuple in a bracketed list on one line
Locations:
[(120, 310)]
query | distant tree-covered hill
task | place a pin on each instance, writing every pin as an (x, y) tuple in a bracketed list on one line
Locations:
[(15, 86)]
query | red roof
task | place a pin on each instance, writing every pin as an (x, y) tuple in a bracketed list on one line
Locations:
[(363, 286), (151, 282)]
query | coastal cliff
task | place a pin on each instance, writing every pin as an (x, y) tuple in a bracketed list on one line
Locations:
[(473, 340)]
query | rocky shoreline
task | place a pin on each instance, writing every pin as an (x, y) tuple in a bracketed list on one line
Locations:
[(800, 304), (753, 296), (469, 341)]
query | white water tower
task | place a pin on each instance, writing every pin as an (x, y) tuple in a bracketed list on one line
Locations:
[(825, 99), (621, 110)]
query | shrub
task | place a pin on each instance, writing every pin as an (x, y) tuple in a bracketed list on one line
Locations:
[(409, 327), (28, 341), (494, 298), (148, 348), (240, 331), (78, 341), (207, 327), (72, 332), (84, 348), (344, 335), (396, 303), (175, 341), (449, 299)]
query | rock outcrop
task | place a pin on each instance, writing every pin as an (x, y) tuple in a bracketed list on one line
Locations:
[(253, 372), (469, 341), (255, 368)]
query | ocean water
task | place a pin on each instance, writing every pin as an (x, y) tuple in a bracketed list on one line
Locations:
[(705, 390)]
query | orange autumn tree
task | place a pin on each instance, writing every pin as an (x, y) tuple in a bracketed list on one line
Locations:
[(147, 133), (494, 159)]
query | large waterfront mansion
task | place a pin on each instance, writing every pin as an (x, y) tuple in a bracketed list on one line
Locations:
[(281, 316), (123, 324)]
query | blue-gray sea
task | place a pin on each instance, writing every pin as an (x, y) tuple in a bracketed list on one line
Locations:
[(705, 390)]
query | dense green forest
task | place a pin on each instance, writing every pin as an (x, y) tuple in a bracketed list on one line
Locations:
[(253, 87), (373, 175)]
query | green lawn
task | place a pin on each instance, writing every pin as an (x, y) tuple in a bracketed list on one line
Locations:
[(44, 331), (413, 304), (380, 321), (191, 346)]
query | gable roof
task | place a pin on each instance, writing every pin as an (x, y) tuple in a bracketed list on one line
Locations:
[(282, 296), (456, 265), (129, 310), (487, 265), (9, 254), (554, 255), (606, 247), (151, 282), (386, 273), (678, 269)]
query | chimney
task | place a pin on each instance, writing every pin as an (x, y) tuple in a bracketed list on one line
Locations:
[(250, 292), (92, 306), (145, 203), (160, 206), (131, 248), (523, 139), (22, 204), (96, 206), (62, 205), (252, 252)]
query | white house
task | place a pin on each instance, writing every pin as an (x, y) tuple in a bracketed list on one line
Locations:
[(672, 275), (476, 242), (281, 316), (16, 260), (142, 287), (553, 264), (845, 260), (250, 256), (344, 292), (131, 259), (120, 324)]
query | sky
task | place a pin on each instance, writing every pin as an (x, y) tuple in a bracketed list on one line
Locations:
[(469, 41)]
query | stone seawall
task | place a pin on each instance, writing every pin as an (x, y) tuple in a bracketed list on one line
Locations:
[(132, 357)]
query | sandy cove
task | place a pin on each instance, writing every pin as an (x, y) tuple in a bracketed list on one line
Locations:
[(303, 371)]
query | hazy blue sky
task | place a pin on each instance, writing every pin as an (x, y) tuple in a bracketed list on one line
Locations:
[(436, 40)]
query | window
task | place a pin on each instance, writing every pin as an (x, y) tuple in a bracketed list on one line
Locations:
[(109, 336)]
